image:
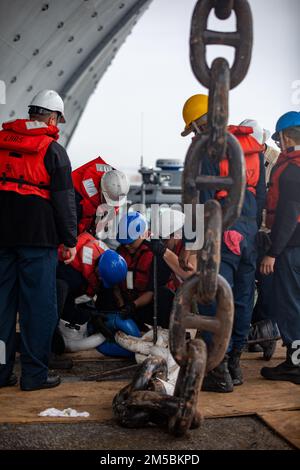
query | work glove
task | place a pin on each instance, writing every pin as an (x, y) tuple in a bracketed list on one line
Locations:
[(157, 247), (127, 310)]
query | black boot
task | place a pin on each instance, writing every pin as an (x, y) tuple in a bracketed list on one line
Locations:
[(269, 348), (58, 344), (51, 382), (254, 348), (11, 381), (287, 370), (218, 379), (264, 333), (234, 367)]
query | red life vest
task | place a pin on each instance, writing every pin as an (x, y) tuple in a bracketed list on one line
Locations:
[(140, 265), (89, 250), (86, 180), (285, 159), (174, 282), (23, 146), (251, 149)]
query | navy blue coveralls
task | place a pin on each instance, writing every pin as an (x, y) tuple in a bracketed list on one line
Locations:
[(239, 270)]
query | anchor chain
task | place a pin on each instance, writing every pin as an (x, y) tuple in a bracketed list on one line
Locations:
[(142, 402)]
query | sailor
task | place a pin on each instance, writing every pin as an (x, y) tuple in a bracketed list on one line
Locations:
[(37, 213), (262, 135), (136, 292), (97, 185), (238, 251), (263, 323), (93, 265), (94, 269), (283, 258), (135, 297)]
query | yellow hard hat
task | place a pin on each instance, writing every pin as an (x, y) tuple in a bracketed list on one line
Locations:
[(194, 108)]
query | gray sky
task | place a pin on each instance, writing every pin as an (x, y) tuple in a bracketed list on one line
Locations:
[(151, 75)]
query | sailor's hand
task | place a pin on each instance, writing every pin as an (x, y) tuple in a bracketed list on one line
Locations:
[(68, 254), (267, 265), (183, 259)]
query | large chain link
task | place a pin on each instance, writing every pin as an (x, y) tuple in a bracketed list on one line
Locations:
[(141, 402)]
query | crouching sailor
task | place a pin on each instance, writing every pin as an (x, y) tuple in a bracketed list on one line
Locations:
[(96, 183), (94, 266)]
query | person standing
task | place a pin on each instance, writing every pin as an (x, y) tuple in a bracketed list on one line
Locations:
[(263, 324), (238, 250), (283, 258), (37, 213)]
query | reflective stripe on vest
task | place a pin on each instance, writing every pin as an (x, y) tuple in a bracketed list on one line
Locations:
[(87, 182), (89, 250), (291, 158), (139, 263), (23, 146)]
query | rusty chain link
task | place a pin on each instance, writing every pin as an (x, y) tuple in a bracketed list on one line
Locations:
[(241, 39), (143, 401)]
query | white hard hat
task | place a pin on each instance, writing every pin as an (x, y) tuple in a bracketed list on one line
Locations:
[(260, 134), (49, 99), (170, 221), (114, 187)]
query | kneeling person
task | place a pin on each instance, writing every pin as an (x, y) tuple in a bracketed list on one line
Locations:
[(135, 299), (94, 266)]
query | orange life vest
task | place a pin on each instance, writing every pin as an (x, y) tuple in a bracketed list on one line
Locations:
[(86, 180), (139, 264), (285, 159), (23, 146), (88, 251), (251, 149)]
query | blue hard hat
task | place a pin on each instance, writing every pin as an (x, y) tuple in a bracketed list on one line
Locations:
[(290, 119), (131, 227), (112, 268), (114, 349), (115, 322)]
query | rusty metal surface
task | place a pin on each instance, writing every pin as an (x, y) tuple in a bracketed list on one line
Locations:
[(220, 326), (141, 402), (218, 108), (235, 183), (188, 387), (209, 257), (135, 404), (241, 40), (223, 9)]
